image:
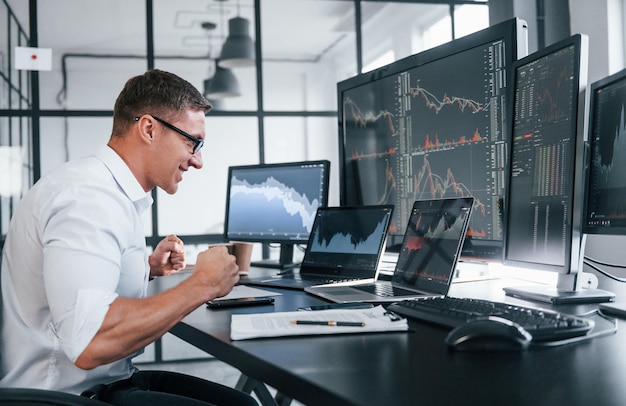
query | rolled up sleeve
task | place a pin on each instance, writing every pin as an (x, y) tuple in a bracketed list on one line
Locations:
[(91, 308)]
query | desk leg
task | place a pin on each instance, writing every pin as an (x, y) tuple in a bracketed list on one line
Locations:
[(248, 385)]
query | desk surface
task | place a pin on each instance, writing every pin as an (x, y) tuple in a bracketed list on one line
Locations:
[(415, 367)]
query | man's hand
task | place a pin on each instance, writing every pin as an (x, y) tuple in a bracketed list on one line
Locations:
[(217, 270), (168, 257)]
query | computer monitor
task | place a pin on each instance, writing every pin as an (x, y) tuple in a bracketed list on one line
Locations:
[(605, 204), (605, 208), (275, 203), (433, 125), (546, 173)]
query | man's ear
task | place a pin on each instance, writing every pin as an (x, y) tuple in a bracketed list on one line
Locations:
[(146, 128)]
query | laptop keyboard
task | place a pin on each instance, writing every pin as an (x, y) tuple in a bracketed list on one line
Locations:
[(384, 290), (543, 325)]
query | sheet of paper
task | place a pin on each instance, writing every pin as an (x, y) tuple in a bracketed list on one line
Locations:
[(240, 291), (376, 319)]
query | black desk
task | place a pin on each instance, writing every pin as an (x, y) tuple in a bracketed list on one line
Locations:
[(409, 368)]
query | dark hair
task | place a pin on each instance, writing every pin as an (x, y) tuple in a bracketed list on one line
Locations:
[(155, 92)]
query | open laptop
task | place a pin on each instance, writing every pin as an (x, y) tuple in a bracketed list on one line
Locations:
[(345, 246), (430, 250)]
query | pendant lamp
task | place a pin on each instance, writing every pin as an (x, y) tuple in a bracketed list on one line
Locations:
[(216, 103), (238, 50), (223, 84)]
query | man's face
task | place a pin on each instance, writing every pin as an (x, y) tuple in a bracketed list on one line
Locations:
[(175, 152)]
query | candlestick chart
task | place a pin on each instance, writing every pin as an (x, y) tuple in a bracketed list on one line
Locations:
[(433, 124), (423, 138)]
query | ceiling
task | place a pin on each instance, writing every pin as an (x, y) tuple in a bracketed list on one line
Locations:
[(291, 29)]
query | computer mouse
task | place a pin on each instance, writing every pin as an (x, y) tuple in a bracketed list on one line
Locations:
[(490, 333)]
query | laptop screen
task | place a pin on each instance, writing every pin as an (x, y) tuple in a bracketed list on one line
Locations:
[(432, 242), (347, 240)]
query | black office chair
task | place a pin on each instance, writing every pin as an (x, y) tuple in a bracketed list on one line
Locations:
[(41, 397)]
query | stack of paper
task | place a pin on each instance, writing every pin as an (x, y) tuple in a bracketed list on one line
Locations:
[(334, 321)]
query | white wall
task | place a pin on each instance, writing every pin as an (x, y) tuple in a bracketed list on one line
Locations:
[(604, 22), (585, 18)]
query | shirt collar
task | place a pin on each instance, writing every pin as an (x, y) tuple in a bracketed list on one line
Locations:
[(124, 178)]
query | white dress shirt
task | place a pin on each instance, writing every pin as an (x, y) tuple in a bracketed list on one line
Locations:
[(75, 243)]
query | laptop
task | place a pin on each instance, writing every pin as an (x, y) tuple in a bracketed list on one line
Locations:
[(345, 245), (427, 260)]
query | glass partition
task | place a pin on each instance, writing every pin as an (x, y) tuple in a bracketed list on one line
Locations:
[(93, 55), (308, 46), (285, 104)]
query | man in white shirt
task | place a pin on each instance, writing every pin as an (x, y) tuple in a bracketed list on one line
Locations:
[(75, 269)]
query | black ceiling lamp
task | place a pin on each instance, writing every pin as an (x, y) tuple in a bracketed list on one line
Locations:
[(223, 83), (215, 102), (238, 50)]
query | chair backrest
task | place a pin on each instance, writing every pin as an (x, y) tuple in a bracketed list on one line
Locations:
[(41, 397)]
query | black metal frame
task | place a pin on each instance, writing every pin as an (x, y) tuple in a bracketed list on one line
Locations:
[(21, 104), (35, 113)]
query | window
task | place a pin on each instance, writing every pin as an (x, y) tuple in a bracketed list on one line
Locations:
[(287, 105)]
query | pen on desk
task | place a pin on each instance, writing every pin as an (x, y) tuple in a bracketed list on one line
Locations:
[(330, 323)]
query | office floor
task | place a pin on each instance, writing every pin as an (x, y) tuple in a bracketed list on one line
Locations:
[(181, 357)]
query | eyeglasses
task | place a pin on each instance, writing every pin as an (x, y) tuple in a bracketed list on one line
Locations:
[(197, 142)]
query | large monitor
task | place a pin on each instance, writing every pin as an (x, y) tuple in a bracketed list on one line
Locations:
[(605, 209), (275, 203), (605, 205), (546, 173), (433, 125)]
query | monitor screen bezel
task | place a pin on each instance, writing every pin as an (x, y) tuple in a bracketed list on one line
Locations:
[(574, 246), (601, 84), (513, 32), (303, 239)]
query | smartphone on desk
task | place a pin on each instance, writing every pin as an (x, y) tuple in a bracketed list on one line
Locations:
[(242, 301)]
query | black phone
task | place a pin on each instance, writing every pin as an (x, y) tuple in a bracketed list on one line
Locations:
[(242, 301)]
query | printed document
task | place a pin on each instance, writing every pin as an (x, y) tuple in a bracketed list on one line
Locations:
[(334, 321)]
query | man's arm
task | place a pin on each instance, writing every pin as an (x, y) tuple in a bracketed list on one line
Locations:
[(132, 323)]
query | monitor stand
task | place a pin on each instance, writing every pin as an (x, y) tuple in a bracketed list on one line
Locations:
[(584, 291), (285, 260)]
